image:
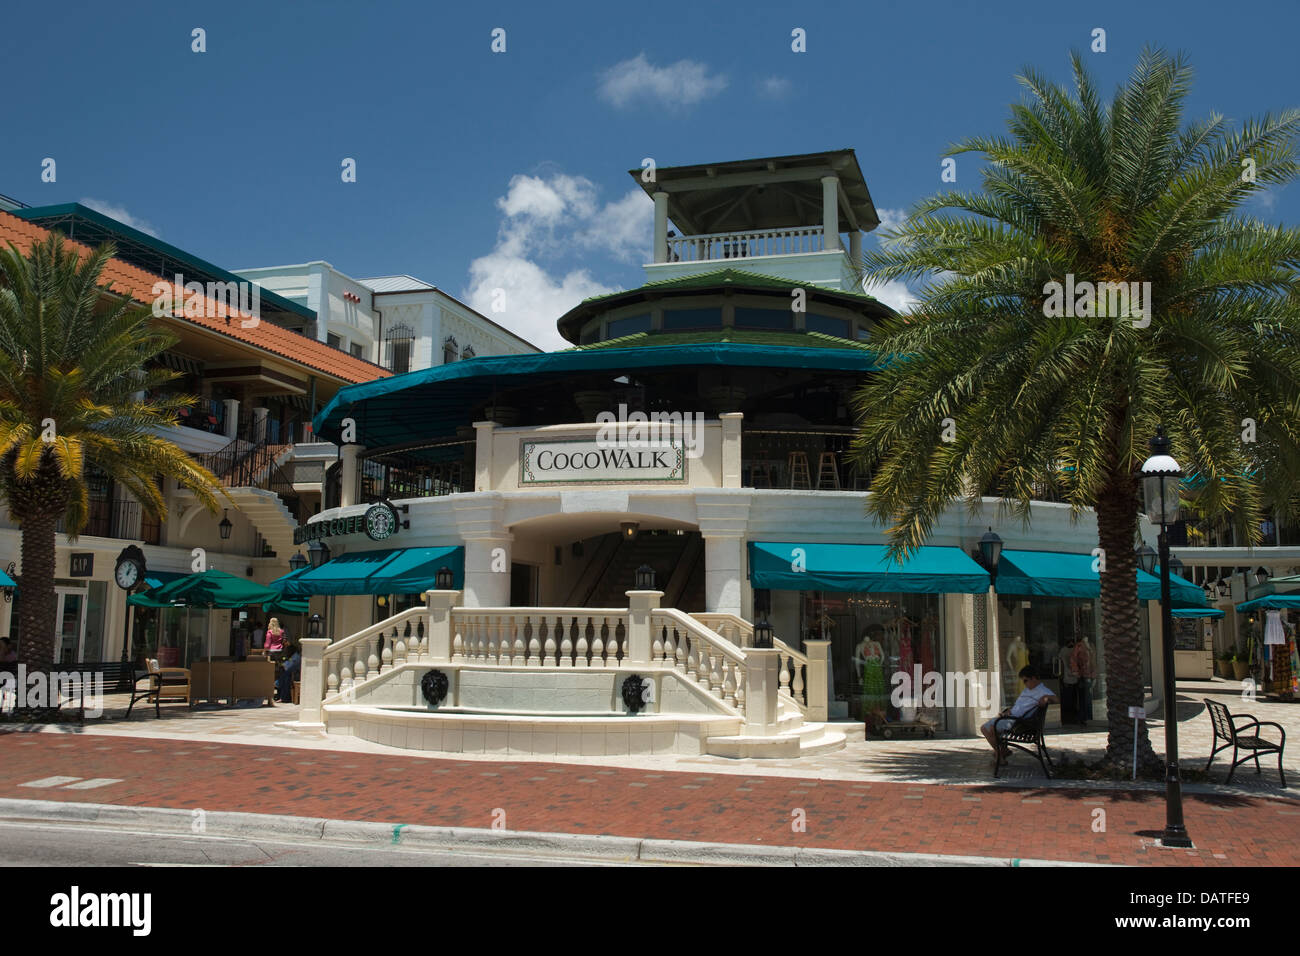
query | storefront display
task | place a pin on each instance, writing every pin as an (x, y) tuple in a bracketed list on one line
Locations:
[(1061, 638), (876, 641)]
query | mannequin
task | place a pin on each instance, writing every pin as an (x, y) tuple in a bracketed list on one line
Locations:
[(1017, 657), (869, 661)]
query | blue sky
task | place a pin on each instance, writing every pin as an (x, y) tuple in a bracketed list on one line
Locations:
[(478, 170)]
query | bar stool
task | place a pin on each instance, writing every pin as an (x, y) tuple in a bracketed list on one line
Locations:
[(828, 472), (800, 476)]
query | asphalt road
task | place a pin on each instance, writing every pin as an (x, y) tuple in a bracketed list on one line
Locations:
[(31, 843)]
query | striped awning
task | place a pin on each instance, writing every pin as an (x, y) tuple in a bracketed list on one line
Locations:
[(181, 363)]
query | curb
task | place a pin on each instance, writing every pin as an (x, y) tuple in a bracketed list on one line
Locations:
[(253, 826)]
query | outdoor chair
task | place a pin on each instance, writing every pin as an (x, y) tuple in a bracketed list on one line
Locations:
[(1024, 734), (1229, 731), (162, 683)]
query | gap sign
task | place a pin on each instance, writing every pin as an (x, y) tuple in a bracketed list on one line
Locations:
[(592, 461)]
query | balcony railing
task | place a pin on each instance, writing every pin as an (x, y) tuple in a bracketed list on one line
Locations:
[(118, 519), (814, 459), (746, 245)]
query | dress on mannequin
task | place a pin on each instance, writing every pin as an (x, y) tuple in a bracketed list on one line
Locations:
[(1017, 657)]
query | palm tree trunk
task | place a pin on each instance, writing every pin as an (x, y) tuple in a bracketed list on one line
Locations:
[(1117, 524), (36, 606)]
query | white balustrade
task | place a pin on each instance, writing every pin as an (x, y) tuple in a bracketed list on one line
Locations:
[(746, 245)]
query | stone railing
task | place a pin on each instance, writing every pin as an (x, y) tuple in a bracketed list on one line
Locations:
[(354, 659), (803, 677), (540, 637), (643, 636), (704, 656)]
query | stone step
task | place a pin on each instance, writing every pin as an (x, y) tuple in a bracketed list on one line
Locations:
[(822, 739)]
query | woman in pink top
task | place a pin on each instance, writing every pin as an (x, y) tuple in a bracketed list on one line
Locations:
[(274, 639)]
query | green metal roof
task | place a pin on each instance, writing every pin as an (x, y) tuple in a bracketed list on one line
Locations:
[(147, 252), (432, 403), (797, 340), (718, 280)]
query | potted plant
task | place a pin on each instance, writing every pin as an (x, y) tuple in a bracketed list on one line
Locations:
[(1224, 664), (1240, 666)]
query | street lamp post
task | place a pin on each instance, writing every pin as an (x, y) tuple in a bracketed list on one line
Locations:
[(1160, 478)]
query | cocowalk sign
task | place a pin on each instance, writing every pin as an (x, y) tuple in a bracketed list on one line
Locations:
[(592, 461)]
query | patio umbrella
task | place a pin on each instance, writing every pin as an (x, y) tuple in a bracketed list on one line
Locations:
[(213, 588)]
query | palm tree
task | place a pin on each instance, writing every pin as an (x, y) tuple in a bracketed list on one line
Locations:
[(1041, 396), (72, 367)]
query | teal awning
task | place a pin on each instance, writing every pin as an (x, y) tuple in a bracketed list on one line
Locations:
[(287, 606), (156, 579), (6, 581), (1196, 612), (863, 567), (1059, 574), (435, 401), (393, 571), (1271, 602)]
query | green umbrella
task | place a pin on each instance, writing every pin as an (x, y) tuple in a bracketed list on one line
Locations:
[(213, 588)]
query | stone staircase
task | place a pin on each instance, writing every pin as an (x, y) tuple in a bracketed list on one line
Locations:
[(661, 551), (795, 737)]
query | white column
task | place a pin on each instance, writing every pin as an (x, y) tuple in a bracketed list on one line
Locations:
[(855, 246), (661, 227), (259, 424), (351, 481), (487, 571), (232, 417), (483, 456), (723, 571), (761, 684), (831, 211), (439, 606), (819, 679), (731, 448), (312, 679), (640, 604)]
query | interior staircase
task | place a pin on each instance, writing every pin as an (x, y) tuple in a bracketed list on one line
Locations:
[(663, 552)]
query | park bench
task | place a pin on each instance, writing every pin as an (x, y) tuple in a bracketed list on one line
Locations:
[(1026, 735), (1228, 730)]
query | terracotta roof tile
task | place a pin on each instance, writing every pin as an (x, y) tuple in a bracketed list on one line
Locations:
[(126, 279)]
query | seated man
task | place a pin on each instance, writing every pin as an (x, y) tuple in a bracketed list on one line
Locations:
[(284, 685), (1035, 694)]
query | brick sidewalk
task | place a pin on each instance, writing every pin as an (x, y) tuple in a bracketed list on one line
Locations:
[(1037, 823)]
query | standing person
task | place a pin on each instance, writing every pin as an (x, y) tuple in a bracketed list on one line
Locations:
[(259, 634), (1085, 666), (274, 639), (284, 683), (1069, 684)]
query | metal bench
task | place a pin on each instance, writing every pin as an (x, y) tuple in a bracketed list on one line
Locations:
[(1026, 735), (1230, 732)]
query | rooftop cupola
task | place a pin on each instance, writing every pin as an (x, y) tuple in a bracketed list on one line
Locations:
[(782, 216)]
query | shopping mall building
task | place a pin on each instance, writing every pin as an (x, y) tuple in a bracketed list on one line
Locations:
[(538, 482)]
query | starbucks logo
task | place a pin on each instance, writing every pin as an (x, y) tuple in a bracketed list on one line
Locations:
[(381, 522)]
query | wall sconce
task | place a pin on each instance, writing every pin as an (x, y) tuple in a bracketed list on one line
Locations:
[(645, 578), (629, 529), (225, 527), (443, 579), (382, 600)]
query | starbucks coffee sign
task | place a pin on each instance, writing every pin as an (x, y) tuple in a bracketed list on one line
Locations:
[(379, 522), (592, 461)]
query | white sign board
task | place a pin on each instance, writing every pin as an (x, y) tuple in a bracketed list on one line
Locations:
[(589, 461), (1138, 713)]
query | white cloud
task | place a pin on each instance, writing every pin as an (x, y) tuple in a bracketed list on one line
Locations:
[(894, 293), (120, 214), (543, 217), (889, 219), (679, 84), (776, 87)]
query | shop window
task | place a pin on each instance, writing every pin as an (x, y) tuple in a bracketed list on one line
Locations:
[(828, 325), (677, 320), (764, 319), (628, 326), (875, 636), (1041, 632)]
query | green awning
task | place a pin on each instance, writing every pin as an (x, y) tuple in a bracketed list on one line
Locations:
[(1064, 575), (1196, 612), (287, 606), (393, 571), (6, 581), (1271, 602), (863, 567), (150, 599)]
